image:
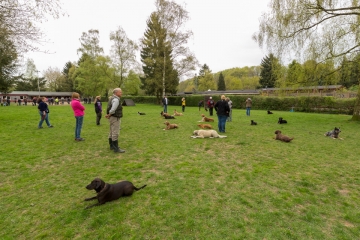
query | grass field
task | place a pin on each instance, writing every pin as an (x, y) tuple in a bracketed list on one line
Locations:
[(245, 186)]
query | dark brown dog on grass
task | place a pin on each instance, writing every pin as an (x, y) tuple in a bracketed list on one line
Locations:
[(107, 192), (205, 126), (281, 137), (170, 126)]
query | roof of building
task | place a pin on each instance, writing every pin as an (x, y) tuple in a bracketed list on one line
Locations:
[(305, 88), (36, 93)]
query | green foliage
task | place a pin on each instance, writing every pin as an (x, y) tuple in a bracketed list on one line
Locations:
[(90, 43), (221, 83), (157, 61), (8, 64), (132, 84), (31, 84), (269, 71)]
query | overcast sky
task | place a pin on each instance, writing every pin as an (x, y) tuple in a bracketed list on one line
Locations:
[(222, 30)]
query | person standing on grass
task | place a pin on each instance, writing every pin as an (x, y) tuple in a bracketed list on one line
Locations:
[(44, 113), (248, 104), (19, 102), (230, 112), (222, 110), (183, 104), (210, 104), (79, 113), (98, 109), (165, 102), (200, 104), (114, 114)]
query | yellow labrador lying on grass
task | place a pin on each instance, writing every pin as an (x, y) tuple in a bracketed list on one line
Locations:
[(206, 134)]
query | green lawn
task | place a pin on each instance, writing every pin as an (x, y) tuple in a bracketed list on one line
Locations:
[(245, 186)]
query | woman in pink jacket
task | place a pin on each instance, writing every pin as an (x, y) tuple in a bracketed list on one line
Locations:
[(78, 109)]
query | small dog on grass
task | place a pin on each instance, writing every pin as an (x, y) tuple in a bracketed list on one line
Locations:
[(106, 192), (269, 112), (141, 113), (253, 123), (205, 126), (281, 121), (334, 134), (170, 126), (176, 113), (206, 134), (166, 116), (206, 119), (281, 137)]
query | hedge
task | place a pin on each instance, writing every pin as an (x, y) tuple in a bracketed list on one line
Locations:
[(301, 104)]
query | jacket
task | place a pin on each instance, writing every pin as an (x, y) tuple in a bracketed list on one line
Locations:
[(77, 107), (222, 108), (118, 111)]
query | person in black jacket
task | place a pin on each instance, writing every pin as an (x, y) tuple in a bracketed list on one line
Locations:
[(44, 113), (222, 110), (98, 109)]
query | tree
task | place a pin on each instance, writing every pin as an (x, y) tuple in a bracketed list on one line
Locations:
[(8, 64), (132, 84), (295, 74), (173, 17), (90, 43), (55, 80), (317, 29), (30, 80), (69, 78), (19, 19), (157, 61), (221, 83), (269, 72), (207, 82), (93, 75), (123, 53)]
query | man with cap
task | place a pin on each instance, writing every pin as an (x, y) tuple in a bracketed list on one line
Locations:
[(114, 114), (210, 104)]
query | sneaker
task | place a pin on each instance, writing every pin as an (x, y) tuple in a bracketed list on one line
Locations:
[(51, 126), (40, 127), (79, 139)]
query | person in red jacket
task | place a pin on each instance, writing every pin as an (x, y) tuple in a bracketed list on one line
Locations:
[(79, 113)]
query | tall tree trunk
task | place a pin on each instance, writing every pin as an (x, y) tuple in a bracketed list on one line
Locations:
[(356, 115)]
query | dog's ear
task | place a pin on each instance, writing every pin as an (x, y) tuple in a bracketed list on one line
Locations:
[(96, 183)]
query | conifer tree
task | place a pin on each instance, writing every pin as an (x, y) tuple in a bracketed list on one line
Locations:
[(155, 54), (221, 83), (270, 67)]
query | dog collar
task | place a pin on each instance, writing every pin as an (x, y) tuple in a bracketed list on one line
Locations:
[(103, 188)]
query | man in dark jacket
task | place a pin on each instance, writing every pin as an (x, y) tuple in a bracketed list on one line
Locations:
[(222, 110)]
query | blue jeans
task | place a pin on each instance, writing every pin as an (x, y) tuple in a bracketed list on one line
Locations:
[(248, 111), (165, 108), (221, 122), (46, 119), (79, 123)]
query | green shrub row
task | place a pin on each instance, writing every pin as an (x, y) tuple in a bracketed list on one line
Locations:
[(301, 104)]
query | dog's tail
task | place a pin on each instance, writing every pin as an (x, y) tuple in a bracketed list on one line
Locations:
[(137, 189), (222, 136)]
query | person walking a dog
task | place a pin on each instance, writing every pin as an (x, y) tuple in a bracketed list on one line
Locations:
[(222, 110), (183, 104), (79, 113), (114, 114), (210, 104), (165, 102), (248, 104), (98, 109)]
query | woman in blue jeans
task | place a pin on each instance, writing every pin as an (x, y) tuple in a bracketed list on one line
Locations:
[(44, 113), (78, 109), (222, 110)]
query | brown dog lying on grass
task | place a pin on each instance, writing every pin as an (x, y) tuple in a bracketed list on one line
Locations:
[(206, 119), (205, 126), (281, 137), (170, 126), (106, 192), (176, 113)]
